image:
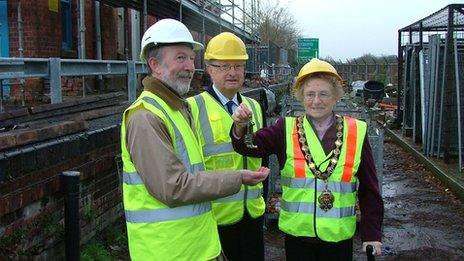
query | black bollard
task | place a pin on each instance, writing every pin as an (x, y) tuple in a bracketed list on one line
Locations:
[(70, 186)]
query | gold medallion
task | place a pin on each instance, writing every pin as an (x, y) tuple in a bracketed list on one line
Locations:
[(326, 200)]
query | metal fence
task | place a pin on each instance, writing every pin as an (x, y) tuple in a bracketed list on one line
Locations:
[(368, 69), (53, 69), (433, 100)]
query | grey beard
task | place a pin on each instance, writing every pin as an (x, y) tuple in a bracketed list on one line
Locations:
[(181, 87)]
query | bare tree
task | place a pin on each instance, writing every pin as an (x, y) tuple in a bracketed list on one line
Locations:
[(278, 25)]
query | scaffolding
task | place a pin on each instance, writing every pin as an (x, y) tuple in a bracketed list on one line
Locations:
[(205, 16), (430, 83)]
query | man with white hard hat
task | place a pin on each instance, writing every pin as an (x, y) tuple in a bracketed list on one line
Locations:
[(166, 191)]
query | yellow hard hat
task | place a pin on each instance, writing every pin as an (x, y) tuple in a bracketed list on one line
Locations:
[(315, 66), (226, 46)]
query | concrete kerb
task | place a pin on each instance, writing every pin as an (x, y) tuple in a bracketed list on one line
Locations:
[(449, 180)]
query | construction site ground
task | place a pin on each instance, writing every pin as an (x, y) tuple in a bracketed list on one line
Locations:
[(423, 219)]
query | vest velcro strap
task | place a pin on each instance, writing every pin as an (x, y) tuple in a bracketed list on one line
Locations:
[(308, 183), (308, 208), (239, 196), (214, 149), (132, 178), (166, 214)]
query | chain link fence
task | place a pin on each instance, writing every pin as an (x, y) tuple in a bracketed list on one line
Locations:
[(383, 70)]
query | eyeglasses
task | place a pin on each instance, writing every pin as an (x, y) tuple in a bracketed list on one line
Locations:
[(323, 96), (227, 67)]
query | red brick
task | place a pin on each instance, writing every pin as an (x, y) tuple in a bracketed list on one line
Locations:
[(7, 141), (26, 137)]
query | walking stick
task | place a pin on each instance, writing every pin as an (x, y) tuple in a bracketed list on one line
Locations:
[(370, 253)]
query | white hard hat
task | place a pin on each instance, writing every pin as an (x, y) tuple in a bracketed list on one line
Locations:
[(167, 31)]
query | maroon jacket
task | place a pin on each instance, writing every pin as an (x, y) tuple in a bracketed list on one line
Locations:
[(271, 140)]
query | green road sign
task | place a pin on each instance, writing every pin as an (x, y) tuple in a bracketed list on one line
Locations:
[(308, 48)]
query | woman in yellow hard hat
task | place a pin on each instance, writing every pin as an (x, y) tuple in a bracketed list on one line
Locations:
[(326, 164)]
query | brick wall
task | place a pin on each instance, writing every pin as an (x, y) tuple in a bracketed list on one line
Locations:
[(31, 203), (109, 30), (42, 38), (41, 29)]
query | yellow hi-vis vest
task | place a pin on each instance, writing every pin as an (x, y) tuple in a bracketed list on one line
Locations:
[(300, 213), (156, 231), (213, 124)]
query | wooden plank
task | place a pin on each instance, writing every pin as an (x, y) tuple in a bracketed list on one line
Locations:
[(13, 114), (27, 136)]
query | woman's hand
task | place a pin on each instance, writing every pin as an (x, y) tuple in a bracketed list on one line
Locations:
[(241, 117)]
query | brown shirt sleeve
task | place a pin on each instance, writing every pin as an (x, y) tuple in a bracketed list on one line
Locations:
[(163, 173)]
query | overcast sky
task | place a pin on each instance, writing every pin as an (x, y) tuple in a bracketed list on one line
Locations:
[(348, 29)]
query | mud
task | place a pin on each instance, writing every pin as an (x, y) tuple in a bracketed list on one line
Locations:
[(423, 220)]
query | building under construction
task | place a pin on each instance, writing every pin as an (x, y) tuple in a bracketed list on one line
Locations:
[(94, 31)]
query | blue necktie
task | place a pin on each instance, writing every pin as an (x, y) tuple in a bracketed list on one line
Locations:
[(229, 107)]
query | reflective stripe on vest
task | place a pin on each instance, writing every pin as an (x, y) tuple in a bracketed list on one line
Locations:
[(351, 139), (255, 112), (166, 214), (210, 147), (301, 214), (251, 194), (308, 183), (350, 144), (214, 123), (181, 147), (308, 208), (133, 178), (167, 233)]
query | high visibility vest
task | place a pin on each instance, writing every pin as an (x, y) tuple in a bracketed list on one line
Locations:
[(300, 213), (156, 231), (213, 124)]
